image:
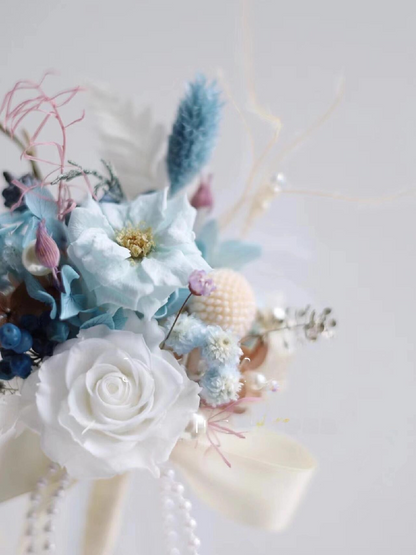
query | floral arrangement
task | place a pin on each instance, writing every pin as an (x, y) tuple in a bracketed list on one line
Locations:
[(129, 336)]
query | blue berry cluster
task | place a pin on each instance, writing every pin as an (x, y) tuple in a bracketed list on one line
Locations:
[(46, 333), (11, 193), (15, 342), (26, 345)]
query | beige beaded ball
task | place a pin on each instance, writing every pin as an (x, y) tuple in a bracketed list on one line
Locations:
[(231, 306)]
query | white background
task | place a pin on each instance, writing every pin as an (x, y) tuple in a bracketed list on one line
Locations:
[(352, 400)]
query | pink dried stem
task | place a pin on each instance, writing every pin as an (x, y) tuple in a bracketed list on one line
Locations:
[(48, 107), (214, 427)]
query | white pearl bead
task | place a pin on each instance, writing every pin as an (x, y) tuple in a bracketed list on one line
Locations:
[(48, 546), (169, 473), (179, 489), (60, 492), (185, 505), (52, 509), (30, 530), (190, 523), (31, 262), (194, 542), (255, 381), (31, 515), (197, 426), (53, 468), (49, 527)]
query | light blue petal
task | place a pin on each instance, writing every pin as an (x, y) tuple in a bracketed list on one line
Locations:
[(149, 209), (235, 254), (100, 255), (37, 292), (177, 224), (103, 319), (68, 274), (88, 216), (41, 203), (71, 305), (207, 240), (58, 232), (119, 319), (175, 301), (30, 234)]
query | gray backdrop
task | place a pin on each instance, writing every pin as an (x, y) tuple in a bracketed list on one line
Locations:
[(351, 401)]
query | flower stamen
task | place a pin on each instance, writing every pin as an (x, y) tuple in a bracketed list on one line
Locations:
[(138, 240)]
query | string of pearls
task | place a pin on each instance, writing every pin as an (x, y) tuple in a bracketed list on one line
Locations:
[(43, 510), (178, 523)]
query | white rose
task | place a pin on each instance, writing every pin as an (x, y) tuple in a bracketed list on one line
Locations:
[(110, 401)]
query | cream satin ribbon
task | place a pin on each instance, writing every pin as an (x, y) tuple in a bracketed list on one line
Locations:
[(268, 477)]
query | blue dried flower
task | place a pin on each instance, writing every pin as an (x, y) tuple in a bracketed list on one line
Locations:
[(194, 132), (220, 385), (221, 347), (11, 193), (188, 334)]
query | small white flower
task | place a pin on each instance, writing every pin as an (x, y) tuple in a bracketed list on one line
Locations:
[(221, 347), (110, 401), (187, 334), (221, 385)]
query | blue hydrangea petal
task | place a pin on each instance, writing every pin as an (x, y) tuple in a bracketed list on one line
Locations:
[(37, 292), (103, 319), (41, 203), (119, 319), (235, 254)]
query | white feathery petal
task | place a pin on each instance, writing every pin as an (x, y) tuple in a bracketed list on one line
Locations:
[(132, 141)]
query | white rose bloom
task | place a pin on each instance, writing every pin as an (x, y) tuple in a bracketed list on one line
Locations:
[(111, 401)]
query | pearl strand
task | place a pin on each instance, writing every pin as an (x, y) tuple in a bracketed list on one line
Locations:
[(176, 512), (36, 513)]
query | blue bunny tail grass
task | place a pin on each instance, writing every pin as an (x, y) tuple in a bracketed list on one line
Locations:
[(194, 132)]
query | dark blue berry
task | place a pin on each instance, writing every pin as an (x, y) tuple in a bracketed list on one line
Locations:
[(44, 320), (10, 336), (57, 331), (29, 322), (21, 365), (25, 342), (43, 347), (6, 372), (6, 354)]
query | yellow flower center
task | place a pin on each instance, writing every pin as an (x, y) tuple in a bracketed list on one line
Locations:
[(138, 240)]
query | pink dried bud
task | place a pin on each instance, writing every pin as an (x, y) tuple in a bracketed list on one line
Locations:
[(46, 249), (200, 285), (203, 197)]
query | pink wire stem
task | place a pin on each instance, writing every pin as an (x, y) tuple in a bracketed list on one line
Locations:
[(215, 426), (15, 113)]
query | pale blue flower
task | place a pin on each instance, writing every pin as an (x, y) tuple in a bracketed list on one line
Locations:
[(221, 347), (11, 246), (135, 254), (220, 385), (187, 334)]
